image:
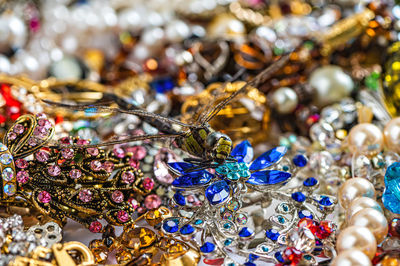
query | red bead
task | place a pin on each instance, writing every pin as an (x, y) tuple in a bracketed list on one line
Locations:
[(308, 223), (218, 261), (292, 255), (394, 227), (2, 119), (324, 230), (13, 107)]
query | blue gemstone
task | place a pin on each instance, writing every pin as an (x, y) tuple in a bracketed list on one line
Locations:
[(307, 257), (249, 263), (253, 257), (268, 158), (180, 167), (208, 247), (391, 194), (278, 256), (171, 226), (309, 182), (228, 241), (246, 232), (300, 160), (268, 177), (325, 201), (234, 176), (162, 85), (298, 196), (187, 229), (222, 169), (218, 192), (305, 214), (198, 221), (272, 234), (179, 198), (193, 179), (243, 152), (265, 248), (227, 225)]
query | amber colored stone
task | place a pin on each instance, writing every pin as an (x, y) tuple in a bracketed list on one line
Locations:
[(155, 216), (394, 227), (123, 256), (389, 261), (176, 248), (138, 236)]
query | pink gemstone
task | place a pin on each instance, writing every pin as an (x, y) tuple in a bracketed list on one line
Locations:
[(82, 142), (40, 132), (93, 151), (134, 163), (18, 129), (96, 165), (95, 227), (161, 171), (45, 123), (22, 177), (32, 141), (152, 202), (65, 140), (123, 216), (75, 173), (119, 153), (41, 116), (108, 166), (21, 163), (139, 152), (44, 197), (42, 156), (54, 170), (67, 153), (141, 210), (133, 203), (11, 136), (85, 195), (117, 196), (128, 177), (148, 183)]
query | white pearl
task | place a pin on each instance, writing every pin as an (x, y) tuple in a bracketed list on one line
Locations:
[(177, 31), (285, 100), (152, 37), (331, 84)]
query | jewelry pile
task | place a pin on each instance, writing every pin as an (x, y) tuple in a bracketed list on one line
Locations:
[(218, 132)]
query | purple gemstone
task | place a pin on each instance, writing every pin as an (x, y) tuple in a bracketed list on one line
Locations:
[(96, 165), (18, 129), (44, 197), (67, 153), (45, 123), (32, 142), (21, 163), (22, 177), (40, 132), (117, 196), (128, 177), (152, 202), (65, 140), (11, 136), (93, 151), (108, 166), (42, 156), (54, 170), (75, 173), (123, 216), (85, 195), (119, 153)]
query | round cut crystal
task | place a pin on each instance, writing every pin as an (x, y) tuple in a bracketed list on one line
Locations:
[(54, 170), (6, 158), (117, 196), (85, 195), (75, 173), (42, 156), (3, 147), (44, 197), (10, 189), (8, 174), (96, 165), (152, 202), (18, 129), (21, 163), (67, 153), (22, 177), (128, 177)]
